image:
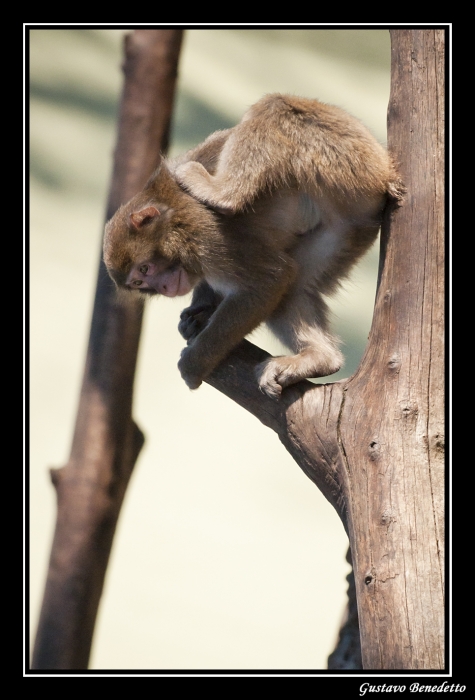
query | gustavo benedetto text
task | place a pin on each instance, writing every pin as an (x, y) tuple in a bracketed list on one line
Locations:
[(413, 688)]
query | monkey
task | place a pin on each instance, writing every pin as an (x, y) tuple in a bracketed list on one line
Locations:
[(262, 221)]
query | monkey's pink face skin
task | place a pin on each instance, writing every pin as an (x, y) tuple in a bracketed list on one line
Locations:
[(151, 278)]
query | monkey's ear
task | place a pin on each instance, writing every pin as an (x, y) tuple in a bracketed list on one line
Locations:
[(144, 216)]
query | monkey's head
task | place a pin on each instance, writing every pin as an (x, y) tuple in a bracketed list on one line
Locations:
[(152, 243)]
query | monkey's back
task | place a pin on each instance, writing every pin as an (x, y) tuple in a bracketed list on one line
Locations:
[(289, 141)]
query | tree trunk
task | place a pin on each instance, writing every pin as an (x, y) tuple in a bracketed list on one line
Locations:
[(106, 442), (391, 425)]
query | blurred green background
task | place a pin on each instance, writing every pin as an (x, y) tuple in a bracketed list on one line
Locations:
[(226, 556)]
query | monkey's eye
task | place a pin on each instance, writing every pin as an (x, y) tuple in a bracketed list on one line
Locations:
[(143, 269), (137, 283)]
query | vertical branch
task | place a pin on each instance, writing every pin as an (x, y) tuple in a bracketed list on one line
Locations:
[(106, 442), (391, 425)]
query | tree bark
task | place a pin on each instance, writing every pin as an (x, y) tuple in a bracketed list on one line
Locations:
[(391, 426), (106, 442)]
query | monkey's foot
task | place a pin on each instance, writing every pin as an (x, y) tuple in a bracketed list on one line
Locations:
[(278, 372), (275, 374), (203, 186)]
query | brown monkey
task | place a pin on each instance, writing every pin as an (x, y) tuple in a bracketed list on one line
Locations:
[(261, 220)]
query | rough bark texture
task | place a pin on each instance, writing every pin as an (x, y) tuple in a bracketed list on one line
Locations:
[(391, 425), (106, 442)]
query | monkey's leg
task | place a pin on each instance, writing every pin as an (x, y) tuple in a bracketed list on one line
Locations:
[(301, 324), (207, 153), (203, 186), (236, 178), (196, 317)]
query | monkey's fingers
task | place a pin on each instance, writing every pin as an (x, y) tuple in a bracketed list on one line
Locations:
[(192, 382), (191, 325), (195, 310), (189, 370), (190, 329)]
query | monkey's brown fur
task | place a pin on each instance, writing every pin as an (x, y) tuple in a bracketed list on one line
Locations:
[(262, 220)]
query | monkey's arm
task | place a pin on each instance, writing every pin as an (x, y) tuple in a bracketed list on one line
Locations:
[(238, 314)]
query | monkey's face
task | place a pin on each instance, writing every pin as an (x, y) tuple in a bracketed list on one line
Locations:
[(152, 243), (143, 252), (159, 278)]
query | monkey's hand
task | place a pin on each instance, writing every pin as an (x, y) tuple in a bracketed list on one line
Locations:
[(191, 369), (194, 319)]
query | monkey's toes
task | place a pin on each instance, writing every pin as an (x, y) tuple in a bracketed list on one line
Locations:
[(272, 390), (267, 378)]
